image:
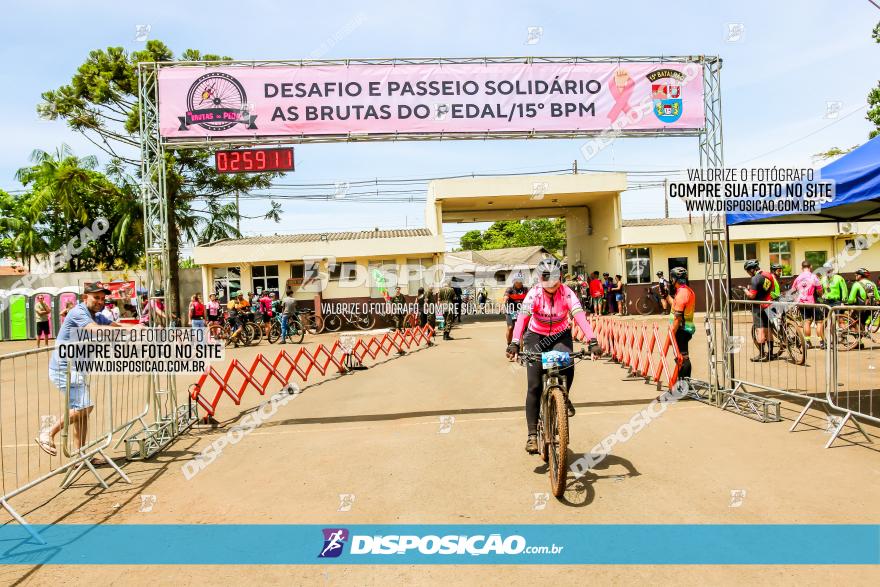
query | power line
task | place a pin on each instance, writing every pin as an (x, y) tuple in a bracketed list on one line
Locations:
[(808, 135)]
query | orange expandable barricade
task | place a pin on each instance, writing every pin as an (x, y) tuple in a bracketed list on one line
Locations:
[(262, 371), (643, 349)]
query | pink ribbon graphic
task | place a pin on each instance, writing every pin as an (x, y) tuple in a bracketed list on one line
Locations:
[(621, 98)]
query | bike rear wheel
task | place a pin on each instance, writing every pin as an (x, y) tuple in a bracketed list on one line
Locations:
[(644, 306), (847, 333), (557, 432), (243, 337), (312, 324), (295, 331), (364, 322), (795, 343), (217, 332), (254, 333)]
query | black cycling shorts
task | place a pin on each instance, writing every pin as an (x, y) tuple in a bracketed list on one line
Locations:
[(760, 317), (813, 314), (682, 339)]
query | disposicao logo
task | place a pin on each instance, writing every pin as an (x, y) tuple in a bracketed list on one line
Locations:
[(334, 540)]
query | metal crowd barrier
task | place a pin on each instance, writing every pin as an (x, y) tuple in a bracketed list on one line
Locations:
[(855, 362), (30, 404), (838, 378)]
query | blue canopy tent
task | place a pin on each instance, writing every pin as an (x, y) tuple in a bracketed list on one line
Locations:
[(857, 197)]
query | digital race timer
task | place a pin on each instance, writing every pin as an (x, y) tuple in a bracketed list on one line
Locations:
[(254, 160)]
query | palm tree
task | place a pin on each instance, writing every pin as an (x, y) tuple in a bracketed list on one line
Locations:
[(60, 183), (128, 212), (218, 222)]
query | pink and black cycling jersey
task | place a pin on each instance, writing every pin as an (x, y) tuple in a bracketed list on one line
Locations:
[(548, 313), (806, 285)]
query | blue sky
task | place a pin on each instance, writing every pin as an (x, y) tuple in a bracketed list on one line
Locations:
[(792, 59)]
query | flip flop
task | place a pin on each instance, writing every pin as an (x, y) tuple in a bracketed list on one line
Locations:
[(98, 462), (46, 446)]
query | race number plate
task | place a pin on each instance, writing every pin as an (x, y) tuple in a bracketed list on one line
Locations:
[(557, 358)]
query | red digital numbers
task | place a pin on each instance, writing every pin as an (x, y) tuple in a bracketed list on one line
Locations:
[(253, 160)]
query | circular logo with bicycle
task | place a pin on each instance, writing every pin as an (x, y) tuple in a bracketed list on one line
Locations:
[(216, 102)]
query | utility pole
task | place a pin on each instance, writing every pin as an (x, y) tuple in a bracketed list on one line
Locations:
[(237, 215), (666, 198), (575, 167)]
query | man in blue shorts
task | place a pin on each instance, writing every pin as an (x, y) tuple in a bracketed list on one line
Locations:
[(87, 315)]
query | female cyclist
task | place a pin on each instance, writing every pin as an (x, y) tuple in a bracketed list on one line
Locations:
[(546, 310)]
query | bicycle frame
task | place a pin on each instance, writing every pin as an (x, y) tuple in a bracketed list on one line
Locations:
[(553, 434)]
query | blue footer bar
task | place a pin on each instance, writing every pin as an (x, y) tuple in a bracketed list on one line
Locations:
[(220, 544)]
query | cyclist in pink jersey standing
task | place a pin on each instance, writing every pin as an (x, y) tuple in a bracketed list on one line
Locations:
[(807, 286), (544, 316)]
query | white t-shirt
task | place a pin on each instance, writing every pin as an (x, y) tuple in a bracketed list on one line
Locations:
[(111, 314)]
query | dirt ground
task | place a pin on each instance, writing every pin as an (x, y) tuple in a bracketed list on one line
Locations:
[(377, 435)]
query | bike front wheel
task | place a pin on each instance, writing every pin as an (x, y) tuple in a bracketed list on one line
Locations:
[(295, 331), (556, 429), (274, 333), (332, 323), (795, 343), (847, 333)]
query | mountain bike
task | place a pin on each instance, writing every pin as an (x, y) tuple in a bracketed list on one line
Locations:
[(552, 428), (787, 334), (738, 293), (311, 323), (295, 330), (650, 303), (333, 322), (223, 332), (873, 324), (254, 330), (851, 332)]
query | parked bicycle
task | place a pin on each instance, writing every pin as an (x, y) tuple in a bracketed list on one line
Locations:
[(333, 322), (788, 335), (850, 333), (650, 303), (311, 323), (552, 428), (224, 332), (295, 330), (737, 293), (254, 328)]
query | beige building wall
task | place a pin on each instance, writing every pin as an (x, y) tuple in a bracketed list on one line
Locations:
[(359, 268), (593, 233), (661, 252)]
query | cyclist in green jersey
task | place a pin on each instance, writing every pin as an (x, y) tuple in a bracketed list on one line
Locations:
[(858, 296), (833, 286), (776, 270)]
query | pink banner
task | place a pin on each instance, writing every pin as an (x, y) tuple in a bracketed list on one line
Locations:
[(244, 101)]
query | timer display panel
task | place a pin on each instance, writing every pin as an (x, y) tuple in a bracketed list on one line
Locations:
[(254, 160)]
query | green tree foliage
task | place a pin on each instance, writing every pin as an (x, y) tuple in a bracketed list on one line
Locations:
[(64, 193), (834, 152), (546, 232), (100, 102)]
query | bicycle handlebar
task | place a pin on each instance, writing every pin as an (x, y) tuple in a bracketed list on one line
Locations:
[(581, 354)]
